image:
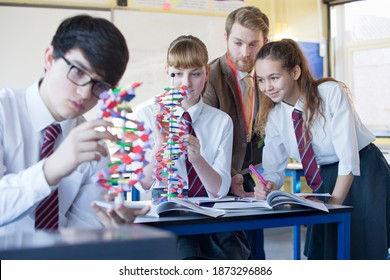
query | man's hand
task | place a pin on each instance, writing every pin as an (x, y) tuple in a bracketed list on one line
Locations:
[(237, 187)]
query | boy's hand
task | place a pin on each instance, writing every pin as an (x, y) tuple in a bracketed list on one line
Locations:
[(119, 215), (81, 145)]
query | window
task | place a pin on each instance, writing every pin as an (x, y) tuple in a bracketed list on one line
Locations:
[(360, 56)]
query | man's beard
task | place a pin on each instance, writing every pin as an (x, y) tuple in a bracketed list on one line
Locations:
[(243, 68)]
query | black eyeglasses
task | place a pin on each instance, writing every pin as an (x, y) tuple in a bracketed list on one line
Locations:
[(80, 78)]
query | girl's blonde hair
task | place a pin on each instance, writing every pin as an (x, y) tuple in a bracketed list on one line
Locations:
[(187, 51)]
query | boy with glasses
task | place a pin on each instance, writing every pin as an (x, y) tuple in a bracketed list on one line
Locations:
[(49, 154), (81, 78)]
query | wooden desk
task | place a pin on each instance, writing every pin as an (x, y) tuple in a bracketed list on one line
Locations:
[(250, 220)]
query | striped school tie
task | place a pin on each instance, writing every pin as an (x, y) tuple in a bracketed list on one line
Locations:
[(308, 160), (47, 212), (195, 186), (247, 99)]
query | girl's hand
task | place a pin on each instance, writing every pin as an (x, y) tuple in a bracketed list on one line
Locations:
[(193, 148), (262, 191), (160, 128)]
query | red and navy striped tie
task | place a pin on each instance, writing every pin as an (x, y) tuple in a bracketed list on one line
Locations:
[(195, 186), (47, 212), (308, 160)]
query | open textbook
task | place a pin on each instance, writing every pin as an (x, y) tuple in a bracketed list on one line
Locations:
[(216, 207), (182, 205), (275, 198)]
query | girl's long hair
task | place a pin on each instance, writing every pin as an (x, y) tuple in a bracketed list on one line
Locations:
[(289, 53)]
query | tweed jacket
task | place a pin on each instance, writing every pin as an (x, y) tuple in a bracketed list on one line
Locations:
[(222, 93)]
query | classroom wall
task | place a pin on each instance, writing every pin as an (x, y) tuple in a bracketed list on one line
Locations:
[(25, 32), (304, 19), (22, 42), (148, 52)]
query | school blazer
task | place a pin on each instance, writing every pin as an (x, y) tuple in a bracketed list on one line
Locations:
[(222, 93)]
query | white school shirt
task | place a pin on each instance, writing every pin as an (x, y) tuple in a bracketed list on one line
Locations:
[(213, 128), (340, 140), (23, 118)]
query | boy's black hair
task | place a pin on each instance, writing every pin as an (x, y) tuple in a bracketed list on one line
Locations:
[(102, 44)]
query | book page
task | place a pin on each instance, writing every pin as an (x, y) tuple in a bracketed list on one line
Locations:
[(276, 198), (179, 204), (240, 205)]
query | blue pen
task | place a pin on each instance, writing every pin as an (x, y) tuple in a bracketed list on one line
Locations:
[(261, 178)]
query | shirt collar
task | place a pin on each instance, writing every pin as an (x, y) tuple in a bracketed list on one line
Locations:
[(241, 75), (299, 105), (194, 111), (288, 108), (40, 115)]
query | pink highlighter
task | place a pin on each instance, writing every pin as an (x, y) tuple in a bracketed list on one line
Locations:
[(261, 178)]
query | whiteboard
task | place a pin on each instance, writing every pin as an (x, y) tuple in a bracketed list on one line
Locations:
[(148, 36)]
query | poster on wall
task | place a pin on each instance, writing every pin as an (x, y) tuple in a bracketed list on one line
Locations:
[(185, 5), (67, 3), (225, 6), (199, 7), (208, 7)]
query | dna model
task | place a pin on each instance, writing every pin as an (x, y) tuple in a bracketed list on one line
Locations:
[(173, 146), (128, 160)]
